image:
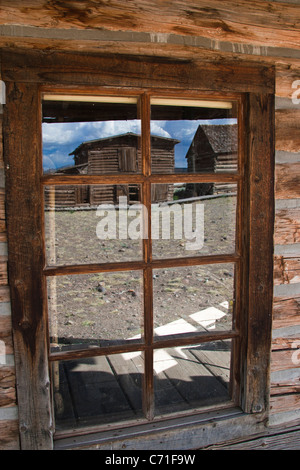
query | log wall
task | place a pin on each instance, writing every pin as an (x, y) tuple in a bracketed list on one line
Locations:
[(9, 425), (262, 31), (285, 366)]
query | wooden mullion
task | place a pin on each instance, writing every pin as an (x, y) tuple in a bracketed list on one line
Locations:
[(148, 379), (116, 178), (132, 346), (139, 265)]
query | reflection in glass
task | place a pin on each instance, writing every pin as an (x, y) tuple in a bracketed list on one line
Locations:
[(191, 376), (94, 309), (97, 390), (186, 223), (93, 224), (193, 298), (193, 136), (91, 135)]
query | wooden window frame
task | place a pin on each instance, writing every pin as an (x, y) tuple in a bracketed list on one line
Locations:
[(26, 77)]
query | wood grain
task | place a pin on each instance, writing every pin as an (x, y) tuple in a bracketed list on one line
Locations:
[(135, 72), (261, 194), (287, 226), (287, 180), (257, 23), (286, 311), (286, 270), (288, 130), (21, 139)]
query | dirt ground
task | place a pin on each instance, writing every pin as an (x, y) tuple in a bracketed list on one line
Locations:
[(106, 307)]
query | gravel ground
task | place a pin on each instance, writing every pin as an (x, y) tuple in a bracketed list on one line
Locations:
[(103, 307)]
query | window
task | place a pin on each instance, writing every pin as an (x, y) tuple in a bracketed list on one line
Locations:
[(144, 323), (152, 286)]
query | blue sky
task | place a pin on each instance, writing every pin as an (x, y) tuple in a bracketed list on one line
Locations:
[(60, 139)]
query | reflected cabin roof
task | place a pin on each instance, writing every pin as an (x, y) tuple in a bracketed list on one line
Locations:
[(121, 137)]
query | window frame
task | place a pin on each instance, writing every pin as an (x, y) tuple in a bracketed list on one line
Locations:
[(26, 264)]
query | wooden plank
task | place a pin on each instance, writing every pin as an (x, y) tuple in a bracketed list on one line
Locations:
[(288, 130), (26, 263), (286, 75), (287, 181), (9, 435), (281, 439), (240, 22), (286, 358), (4, 294), (286, 311), (62, 399), (216, 357), (284, 403), (195, 384), (97, 395), (129, 371), (7, 386), (286, 269), (65, 69), (6, 333), (286, 229)]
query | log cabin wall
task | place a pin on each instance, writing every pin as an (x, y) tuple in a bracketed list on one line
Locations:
[(259, 31)]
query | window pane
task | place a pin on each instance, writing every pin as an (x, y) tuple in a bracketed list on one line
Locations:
[(193, 136), (93, 224), (95, 309), (193, 219), (193, 298), (91, 135), (191, 376), (97, 390)]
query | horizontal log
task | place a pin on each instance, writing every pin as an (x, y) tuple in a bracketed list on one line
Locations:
[(286, 311), (3, 273), (182, 47), (288, 342), (6, 335), (284, 403), (285, 388), (7, 376), (286, 75), (287, 226), (243, 22), (287, 122), (286, 269), (9, 435), (7, 386), (163, 73), (287, 180), (4, 294), (286, 358)]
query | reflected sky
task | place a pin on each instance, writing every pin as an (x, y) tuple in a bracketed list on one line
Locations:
[(60, 139)]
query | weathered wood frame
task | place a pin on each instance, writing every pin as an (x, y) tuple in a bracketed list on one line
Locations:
[(26, 76)]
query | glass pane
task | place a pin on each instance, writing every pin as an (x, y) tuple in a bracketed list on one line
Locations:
[(191, 376), (193, 298), (91, 135), (95, 309), (193, 136), (97, 390), (93, 224), (186, 221)]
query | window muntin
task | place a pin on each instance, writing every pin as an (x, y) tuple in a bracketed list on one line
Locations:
[(153, 190)]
